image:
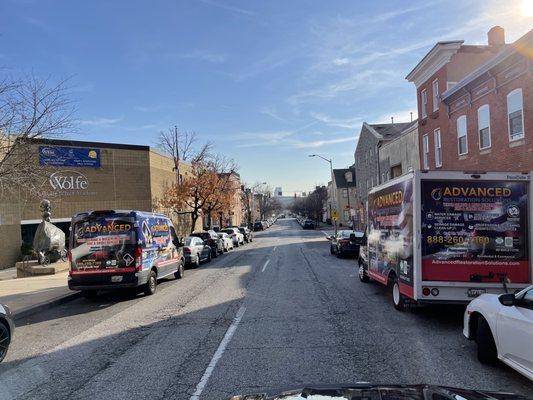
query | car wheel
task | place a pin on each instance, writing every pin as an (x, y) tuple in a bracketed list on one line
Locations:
[(208, 257), (486, 348), (196, 264), (89, 294), (331, 250), (398, 299), (339, 254), (5, 338), (236, 244), (180, 273), (214, 254), (363, 277), (151, 286), (226, 249)]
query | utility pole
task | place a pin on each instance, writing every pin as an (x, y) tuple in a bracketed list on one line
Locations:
[(333, 191)]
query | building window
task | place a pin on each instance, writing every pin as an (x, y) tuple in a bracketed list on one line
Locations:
[(462, 140), (344, 193), (483, 126), (435, 87), (515, 114), (346, 215), (449, 85), (348, 177), (438, 148), (425, 151), (424, 102)]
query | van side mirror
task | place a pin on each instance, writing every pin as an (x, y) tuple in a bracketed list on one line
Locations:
[(507, 299)]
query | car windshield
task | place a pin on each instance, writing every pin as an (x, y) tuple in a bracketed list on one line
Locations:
[(233, 199)]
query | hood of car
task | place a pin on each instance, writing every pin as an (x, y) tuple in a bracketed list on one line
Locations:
[(360, 391)]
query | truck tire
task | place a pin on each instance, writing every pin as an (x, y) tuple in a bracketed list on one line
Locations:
[(5, 339), (150, 286), (398, 301), (363, 277), (486, 348)]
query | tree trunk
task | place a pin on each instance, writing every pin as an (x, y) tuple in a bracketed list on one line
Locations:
[(194, 218)]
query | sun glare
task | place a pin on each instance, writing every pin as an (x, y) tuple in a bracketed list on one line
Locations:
[(527, 8)]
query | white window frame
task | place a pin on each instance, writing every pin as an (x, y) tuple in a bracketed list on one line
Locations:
[(424, 102), (425, 151), (479, 127), (461, 118), (438, 148), (344, 193), (517, 137), (435, 89), (450, 84)]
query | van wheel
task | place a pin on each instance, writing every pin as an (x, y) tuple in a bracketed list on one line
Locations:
[(181, 271), (486, 348), (151, 286), (363, 277), (397, 298), (89, 294)]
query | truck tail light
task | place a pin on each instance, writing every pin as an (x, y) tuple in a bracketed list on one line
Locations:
[(426, 291), (138, 258), (434, 291)]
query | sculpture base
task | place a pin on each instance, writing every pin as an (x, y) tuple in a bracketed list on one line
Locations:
[(32, 268)]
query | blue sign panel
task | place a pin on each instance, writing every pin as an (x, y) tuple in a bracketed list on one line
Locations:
[(69, 156)]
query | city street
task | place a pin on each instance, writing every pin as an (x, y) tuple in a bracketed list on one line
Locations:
[(277, 313)]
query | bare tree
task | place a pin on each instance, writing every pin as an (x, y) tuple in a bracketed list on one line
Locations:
[(182, 146), (29, 109)]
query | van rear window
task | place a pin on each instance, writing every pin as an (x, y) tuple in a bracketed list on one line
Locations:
[(103, 242)]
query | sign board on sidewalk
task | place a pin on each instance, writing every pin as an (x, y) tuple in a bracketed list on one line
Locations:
[(335, 215)]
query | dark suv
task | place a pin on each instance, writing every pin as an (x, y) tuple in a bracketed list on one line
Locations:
[(211, 239), (258, 226), (247, 233)]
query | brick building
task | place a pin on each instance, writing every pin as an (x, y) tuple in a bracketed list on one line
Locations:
[(490, 113), (446, 64), (80, 176)]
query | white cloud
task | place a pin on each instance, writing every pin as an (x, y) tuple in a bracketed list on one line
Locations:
[(227, 7), (348, 123), (202, 55), (100, 121), (320, 143), (341, 61), (271, 112), (399, 116)]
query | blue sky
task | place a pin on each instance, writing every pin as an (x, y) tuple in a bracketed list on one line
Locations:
[(269, 82)]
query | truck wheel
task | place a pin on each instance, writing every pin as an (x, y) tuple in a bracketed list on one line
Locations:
[(151, 286), (363, 277), (486, 348), (4, 340), (89, 294), (181, 271), (397, 298)]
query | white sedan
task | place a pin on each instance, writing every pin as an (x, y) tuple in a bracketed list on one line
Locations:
[(502, 326)]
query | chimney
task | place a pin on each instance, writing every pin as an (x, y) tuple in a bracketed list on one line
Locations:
[(496, 37)]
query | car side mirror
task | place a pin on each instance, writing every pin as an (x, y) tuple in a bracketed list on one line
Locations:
[(330, 237), (507, 299)]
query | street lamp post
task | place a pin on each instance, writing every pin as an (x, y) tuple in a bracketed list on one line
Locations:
[(333, 192)]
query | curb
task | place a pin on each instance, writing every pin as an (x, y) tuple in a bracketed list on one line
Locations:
[(25, 312)]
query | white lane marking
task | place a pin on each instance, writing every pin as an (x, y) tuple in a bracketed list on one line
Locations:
[(275, 247), (264, 266), (218, 354)]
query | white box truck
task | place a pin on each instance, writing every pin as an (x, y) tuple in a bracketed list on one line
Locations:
[(447, 237)]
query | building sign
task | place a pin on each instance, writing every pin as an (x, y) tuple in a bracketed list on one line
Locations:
[(475, 231), (69, 156), (68, 183)]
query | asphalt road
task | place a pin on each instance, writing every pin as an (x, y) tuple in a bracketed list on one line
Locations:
[(280, 312)]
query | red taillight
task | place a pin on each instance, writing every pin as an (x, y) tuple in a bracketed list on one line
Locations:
[(187, 250), (344, 241), (138, 258), (426, 291), (69, 256)]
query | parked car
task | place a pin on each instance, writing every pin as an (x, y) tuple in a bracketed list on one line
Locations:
[(7, 328), (122, 249), (196, 251), (247, 233), (236, 235), (502, 326), (226, 240), (308, 224), (258, 226), (211, 238), (346, 243)]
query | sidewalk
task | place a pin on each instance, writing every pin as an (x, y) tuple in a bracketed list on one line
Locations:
[(25, 296)]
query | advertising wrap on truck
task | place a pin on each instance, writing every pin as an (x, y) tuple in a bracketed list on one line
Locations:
[(390, 234), (474, 231)]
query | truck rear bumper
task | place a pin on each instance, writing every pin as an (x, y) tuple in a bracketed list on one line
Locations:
[(460, 292), (105, 281)]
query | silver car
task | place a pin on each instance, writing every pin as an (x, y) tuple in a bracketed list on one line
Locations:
[(7, 328)]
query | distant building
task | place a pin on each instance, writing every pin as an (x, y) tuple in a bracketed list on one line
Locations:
[(342, 194), (400, 155), (278, 192)]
